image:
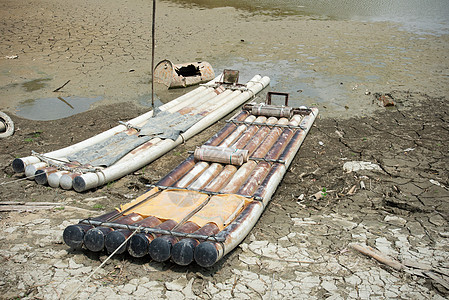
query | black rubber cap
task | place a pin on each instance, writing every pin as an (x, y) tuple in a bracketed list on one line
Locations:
[(41, 177), (182, 252), (206, 254), (73, 236), (94, 239), (138, 245), (79, 184), (18, 166), (160, 249), (113, 240)]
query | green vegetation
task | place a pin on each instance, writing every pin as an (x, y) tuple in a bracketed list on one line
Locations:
[(98, 206)]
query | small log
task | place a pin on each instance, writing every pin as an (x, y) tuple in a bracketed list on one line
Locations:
[(368, 251)]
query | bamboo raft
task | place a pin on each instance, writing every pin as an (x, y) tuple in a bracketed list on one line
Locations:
[(134, 144), (206, 206)]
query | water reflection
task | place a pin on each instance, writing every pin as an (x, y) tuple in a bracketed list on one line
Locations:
[(45, 109)]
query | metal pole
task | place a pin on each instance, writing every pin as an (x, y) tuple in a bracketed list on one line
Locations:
[(152, 55)]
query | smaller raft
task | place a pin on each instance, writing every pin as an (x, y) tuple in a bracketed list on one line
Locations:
[(206, 206), (134, 144)]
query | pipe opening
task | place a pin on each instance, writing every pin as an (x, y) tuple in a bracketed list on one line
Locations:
[(188, 71)]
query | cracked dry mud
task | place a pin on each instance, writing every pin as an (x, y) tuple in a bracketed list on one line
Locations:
[(301, 246), (298, 249)]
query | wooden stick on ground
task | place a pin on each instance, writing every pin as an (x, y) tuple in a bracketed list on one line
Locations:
[(57, 90), (368, 251)]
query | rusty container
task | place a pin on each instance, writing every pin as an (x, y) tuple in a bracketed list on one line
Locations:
[(182, 75)]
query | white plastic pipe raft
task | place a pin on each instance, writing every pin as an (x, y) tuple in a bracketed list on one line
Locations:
[(206, 101), (19, 164)]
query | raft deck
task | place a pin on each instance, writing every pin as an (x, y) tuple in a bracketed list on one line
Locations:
[(206, 206)]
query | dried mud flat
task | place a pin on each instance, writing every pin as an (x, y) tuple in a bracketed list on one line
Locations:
[(301, 246)]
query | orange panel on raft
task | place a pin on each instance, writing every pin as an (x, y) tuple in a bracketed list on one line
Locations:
[(171, 204), (221, 210)]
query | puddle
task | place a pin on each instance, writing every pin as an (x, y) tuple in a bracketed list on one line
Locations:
[(34, 85), (329, 93), (46, 109)]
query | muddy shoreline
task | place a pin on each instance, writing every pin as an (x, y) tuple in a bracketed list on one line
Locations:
[(300, 248)]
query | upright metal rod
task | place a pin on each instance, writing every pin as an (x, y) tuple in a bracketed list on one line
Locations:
[(152, 55)]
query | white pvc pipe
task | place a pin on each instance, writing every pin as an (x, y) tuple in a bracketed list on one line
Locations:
[(31, 169), (54, 178)]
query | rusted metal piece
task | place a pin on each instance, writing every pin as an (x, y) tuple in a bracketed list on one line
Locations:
[(269, 94), (182, 75), (230, 76)]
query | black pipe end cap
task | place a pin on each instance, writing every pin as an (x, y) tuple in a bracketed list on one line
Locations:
[(18, 166), (182, 252), (113, 240), (94, 240), (206, 254), (79, 184), (73, 236), (160, 249), (40, 177), (138, 245)]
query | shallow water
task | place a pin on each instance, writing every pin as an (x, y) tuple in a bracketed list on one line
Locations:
[(418, 16), (46, 109)]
